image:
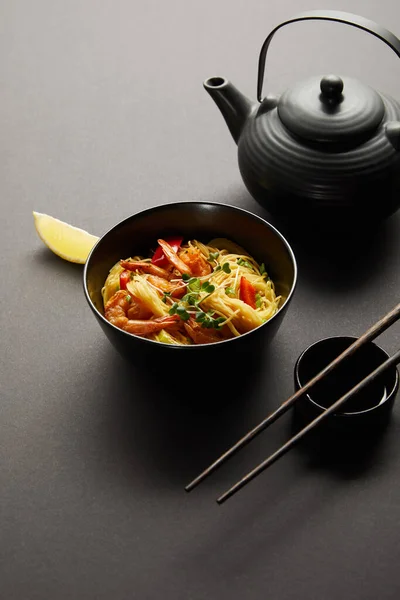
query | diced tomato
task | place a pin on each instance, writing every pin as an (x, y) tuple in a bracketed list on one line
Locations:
[(123, 279), (247, 292), (159, 257)]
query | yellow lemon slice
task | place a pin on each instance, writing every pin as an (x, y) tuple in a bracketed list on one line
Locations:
[(68, 242)]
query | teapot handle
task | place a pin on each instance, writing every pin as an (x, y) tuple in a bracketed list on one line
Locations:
[(328, 15)]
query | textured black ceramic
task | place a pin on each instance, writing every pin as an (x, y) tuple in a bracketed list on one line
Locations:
[(327, 151), (203, 221), (369, 408)]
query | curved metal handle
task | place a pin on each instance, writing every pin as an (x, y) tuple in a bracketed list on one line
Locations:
[(328, 15)]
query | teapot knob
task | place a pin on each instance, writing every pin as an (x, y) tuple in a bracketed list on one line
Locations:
[(393, 133), (331, 87)]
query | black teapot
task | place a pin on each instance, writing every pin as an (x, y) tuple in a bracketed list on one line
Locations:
[(327, 151)]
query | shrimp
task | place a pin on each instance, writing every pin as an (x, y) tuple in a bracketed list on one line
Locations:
[(137, 310), (200, 335), (173, 258), (144, 328), (125, 306), (175, 289), (146, 267), (120, 306), (196, 262)]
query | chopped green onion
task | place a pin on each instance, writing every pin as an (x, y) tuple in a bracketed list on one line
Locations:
[(213, 256), (263, 271), (258, 300), (207, 321), (185, 277), (128, 298), (182, 312), (207, 287), (219, 322), (172, 310), (194, 284), (229, 291), (245, 263)]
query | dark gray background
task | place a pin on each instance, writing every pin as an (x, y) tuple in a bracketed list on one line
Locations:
[(103, 114)]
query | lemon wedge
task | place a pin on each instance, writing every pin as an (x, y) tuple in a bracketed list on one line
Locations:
[(67, 241)]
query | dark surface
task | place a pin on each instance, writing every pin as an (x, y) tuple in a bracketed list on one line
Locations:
[(103, 113)]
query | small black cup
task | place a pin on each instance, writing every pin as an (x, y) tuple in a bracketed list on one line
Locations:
[(369, 408)]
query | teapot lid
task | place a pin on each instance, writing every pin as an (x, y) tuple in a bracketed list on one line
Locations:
[(331, 110)]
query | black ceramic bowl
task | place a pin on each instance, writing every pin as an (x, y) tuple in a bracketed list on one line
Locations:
[(367, 409), (203, 221)]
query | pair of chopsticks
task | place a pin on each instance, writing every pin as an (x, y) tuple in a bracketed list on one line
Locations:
[(376, 329)]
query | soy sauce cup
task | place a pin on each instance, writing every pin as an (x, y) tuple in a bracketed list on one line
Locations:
[(369, 408)]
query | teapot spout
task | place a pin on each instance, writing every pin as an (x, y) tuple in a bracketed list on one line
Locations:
[(234, 106)]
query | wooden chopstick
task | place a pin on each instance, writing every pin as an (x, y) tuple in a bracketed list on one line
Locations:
[(393, 360), (371, 333)]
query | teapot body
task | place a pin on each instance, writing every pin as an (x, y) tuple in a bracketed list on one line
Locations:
[(327, 152), (307, 183)]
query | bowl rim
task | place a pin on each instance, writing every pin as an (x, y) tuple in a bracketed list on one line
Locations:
[(153, 209), (340, 414)]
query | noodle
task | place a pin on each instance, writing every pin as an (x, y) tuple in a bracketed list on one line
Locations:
[(227, 294)]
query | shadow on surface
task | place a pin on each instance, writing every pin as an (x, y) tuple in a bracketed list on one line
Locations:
[(342, 262), (172, 420), (282, 503), (332, 261), (258, 527), (345, 454), (47, 259)]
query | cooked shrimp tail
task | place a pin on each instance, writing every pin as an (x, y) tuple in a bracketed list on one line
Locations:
[(173, 258), (200, 335), (145, 267), (176, 290), (143, 328), (193, 258)]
